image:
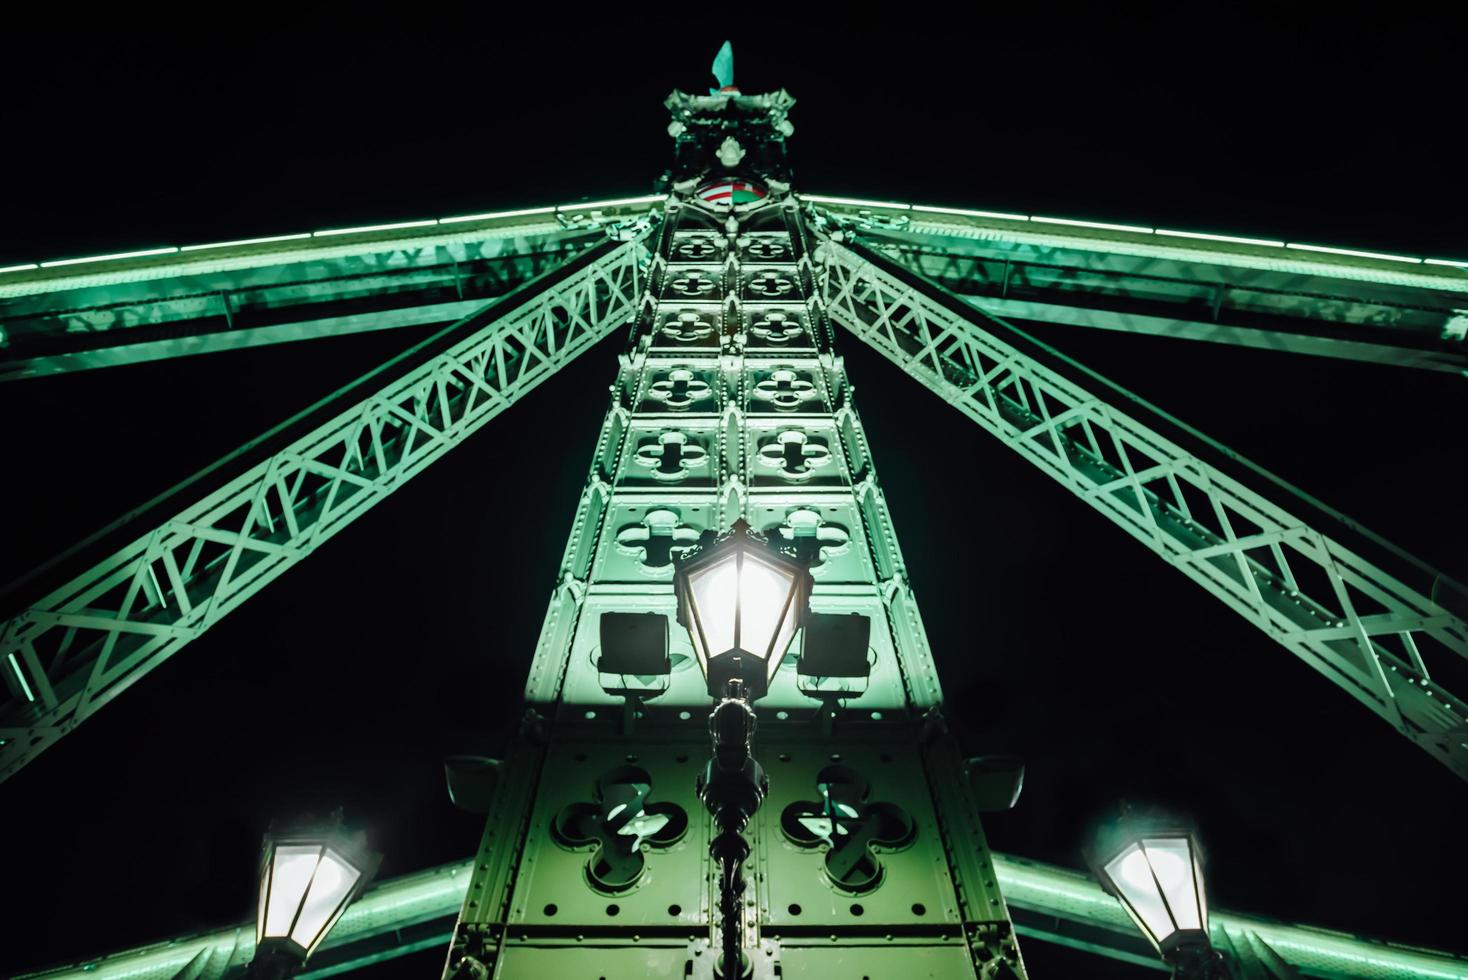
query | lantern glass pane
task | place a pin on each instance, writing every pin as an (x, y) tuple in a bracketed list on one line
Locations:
[(1172, 865), (290, 875), (1202, 893), (330, 887), (763, 591), (788, 627), (260, 913), (715, 591), (1132, 875), (698, 648)]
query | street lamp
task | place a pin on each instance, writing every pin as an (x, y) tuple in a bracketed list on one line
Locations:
[(1155, 868), (741, 602), (308, 877)]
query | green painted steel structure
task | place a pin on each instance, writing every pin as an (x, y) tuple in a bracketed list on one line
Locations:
[(1361, 612), (86, 627), (415, 912), (731, 402)]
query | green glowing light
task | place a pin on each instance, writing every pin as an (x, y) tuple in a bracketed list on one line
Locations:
[(169, 250), (1352, 252), (490, 215), (20, 268), (1232, 239), (247, 241), (24, 687), (971, 214), (853, 202), (366, 228), (615, 203), (1103, 225), (1134, 229)]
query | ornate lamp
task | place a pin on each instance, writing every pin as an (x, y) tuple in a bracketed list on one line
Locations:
[(308, 877), (741, 602), (1155, 868)]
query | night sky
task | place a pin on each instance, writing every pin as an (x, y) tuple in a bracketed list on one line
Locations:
[(1057, 636)]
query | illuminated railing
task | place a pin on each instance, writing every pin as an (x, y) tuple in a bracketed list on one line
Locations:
[(1132, 229), (336, 232)]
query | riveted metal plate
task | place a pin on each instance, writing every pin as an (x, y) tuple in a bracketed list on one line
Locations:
[(915, 889), (553, 889)]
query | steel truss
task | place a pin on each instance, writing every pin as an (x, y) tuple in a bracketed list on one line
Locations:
[(1369, 631), (75, 648), (1268, 295), (416, 912), (88, 313), (1371, 625)]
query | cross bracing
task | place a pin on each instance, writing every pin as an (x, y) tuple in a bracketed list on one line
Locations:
[(282, 527), (73, 648), (1414, 695), (416, 912), (1373, 632)]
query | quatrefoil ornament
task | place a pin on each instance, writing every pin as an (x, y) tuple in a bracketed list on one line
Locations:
[(794, 454), (680, 389), (775, 327), (767, 250), (810, 536), (786, 389), (693, 284), (695, 249), (622, 825), (657, 538), (671, 456), (769, 285), (848, 827), (687, 327)]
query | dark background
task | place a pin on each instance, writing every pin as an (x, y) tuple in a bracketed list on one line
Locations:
[(408, 636)]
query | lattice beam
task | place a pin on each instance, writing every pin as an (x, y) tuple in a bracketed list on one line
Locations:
[(70, 651), (1371, 632)]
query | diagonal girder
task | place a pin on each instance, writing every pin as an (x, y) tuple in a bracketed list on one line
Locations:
[(415, 912), (1370, 631), (118, 606)]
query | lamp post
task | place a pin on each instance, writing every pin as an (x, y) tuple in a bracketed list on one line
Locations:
[(308, 877), (1154, 867), (741, 602)]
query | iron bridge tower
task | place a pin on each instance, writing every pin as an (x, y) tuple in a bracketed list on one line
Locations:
[(731, 402), (731, 412)]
